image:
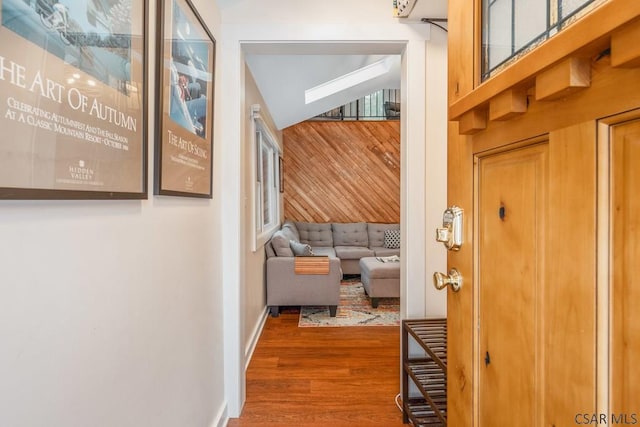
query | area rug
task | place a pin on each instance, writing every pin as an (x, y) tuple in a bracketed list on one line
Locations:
[(354, 310)]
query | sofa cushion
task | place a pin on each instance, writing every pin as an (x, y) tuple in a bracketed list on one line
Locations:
[(300, 249), (353, 252), (374, 269), (289, 234), (350, 234), (392, 239), (376, 233), (268, 248), (324, 251), (291, 226), (382, 251), (315, 234), (280, 244)]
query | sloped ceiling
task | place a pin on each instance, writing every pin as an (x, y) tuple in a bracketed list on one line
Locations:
[(283, 71), (283, 79)]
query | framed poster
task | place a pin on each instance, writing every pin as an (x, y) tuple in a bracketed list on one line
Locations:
[(73, 99), (186, 70)]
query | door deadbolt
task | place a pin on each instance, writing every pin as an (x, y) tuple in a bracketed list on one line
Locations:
[(451, 231), (454, 279)]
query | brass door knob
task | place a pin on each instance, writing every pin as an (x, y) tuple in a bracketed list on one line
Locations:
[(454, 279)]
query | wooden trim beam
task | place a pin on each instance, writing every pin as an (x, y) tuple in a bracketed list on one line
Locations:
[(563, 79), (625, 46), (593, 30), (472, 122), (508, 104)]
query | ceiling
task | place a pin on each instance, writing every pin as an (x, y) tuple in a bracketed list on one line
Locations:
[(427, 9), (283, 71), (288, 70)]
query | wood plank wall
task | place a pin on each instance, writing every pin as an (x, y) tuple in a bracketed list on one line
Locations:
[(342, 171)]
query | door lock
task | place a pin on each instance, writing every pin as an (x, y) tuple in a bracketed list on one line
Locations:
[(454, 279), (451, 231)]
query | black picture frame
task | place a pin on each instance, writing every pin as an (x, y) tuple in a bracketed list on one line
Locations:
[(74, 97), (281, 173), (185, 94)]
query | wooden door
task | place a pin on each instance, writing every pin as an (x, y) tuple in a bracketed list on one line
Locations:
[(625, 262), (522, 346), (511, 210), (584, 332)]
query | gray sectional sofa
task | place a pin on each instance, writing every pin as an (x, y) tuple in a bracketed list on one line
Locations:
[(343, 243)]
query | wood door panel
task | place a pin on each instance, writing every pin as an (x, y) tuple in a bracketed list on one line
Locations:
[(625, 331), (511, 212), (569, 306)]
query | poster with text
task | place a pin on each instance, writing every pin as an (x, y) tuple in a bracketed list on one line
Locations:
[(185, 118), (72, 98)]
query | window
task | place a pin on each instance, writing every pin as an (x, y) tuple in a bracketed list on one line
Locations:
[(511, 28), (372, 105), (266, 195)]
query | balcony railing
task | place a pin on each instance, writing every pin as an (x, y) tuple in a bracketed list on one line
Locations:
[(381, 105)]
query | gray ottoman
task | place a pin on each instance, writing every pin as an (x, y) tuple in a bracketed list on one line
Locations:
[(380, 279)]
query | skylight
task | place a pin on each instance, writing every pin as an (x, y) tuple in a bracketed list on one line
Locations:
[(348, 80)]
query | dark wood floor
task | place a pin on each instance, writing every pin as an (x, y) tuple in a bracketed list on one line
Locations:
[(323, 376)]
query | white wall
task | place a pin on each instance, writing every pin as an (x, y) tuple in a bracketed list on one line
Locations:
[(111, 312), (435, 167), (254, 309), (423, 192)]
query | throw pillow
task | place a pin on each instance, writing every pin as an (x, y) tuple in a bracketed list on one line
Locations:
[(392, 239), (280, 244), (300, 249)]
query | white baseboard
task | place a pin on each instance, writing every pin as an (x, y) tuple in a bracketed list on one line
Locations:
[(222, 417), (255, 336)]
